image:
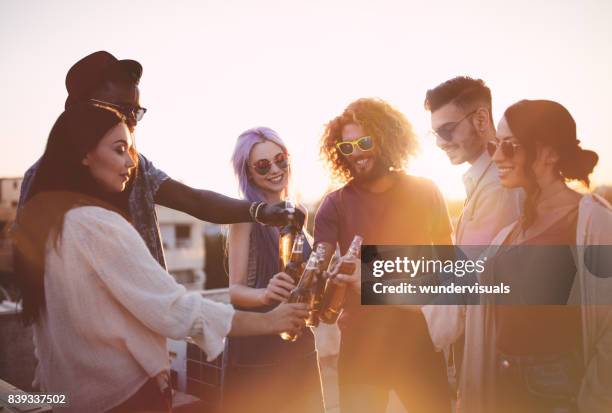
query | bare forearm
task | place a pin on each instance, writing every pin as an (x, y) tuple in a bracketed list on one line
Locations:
[(246, 323), (203, 204), (220, 209), (246, 297)]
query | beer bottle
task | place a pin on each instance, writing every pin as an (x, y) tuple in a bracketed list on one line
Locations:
[(334, 294), (317, 288), (302, 292), (286, 238), (296, 264)]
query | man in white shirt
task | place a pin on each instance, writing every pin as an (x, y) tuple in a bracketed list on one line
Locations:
[(462, 121)]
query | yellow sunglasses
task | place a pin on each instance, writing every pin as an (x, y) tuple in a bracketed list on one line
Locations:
[(365, 143)]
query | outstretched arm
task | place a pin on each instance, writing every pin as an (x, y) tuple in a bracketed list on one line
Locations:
[(102, 239), (205, 205), (219, 209)]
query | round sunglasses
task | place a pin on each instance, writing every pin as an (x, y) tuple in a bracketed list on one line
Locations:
[(508, 148), (263, 166), (365, 143)]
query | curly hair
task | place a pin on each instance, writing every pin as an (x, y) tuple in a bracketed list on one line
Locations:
[(394, 138)]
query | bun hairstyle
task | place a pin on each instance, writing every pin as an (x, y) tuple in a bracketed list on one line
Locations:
[(548, 123), (580, 167)]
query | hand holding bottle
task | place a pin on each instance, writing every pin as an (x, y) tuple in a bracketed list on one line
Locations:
[(287, 317), (278, 215), (278, 289), (284, 317), (344, 273), (349, 272)]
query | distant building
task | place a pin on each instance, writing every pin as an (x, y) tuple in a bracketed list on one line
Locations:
[(9, 197), (183, 241), (605, 191), (9, 192)]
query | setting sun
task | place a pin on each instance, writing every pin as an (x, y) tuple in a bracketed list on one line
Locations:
[(221, 68)]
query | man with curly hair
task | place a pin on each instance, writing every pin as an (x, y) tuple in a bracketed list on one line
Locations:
[(382, 348)]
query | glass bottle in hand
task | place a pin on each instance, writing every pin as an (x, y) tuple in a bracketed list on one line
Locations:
[(335, 292), (302, 292), (317, 288), (295, 266), (286, 238)]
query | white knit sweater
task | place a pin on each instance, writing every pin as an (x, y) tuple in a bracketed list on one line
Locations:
[(109, 307)]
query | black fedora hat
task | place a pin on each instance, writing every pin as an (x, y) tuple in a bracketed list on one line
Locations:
[(89, 72)]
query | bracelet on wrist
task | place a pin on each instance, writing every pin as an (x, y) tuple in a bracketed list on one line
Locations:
[(261, 204), (252, 209)]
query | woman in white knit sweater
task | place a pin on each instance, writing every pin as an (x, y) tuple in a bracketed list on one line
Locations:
[(100, 305)]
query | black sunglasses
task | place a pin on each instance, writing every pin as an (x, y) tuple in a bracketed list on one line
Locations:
[(508, 148), (131, 112), (446, 131), (263, 166)]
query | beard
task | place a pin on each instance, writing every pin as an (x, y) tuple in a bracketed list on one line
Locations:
[(379, 169)]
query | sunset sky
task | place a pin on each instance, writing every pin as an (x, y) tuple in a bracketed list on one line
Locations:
[(215, 68)]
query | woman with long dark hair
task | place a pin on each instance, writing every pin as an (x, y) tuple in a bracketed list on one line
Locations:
[(100, 305), (553, 340), (265, 374)]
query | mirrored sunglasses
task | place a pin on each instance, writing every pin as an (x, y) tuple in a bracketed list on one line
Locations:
[(263, 166)]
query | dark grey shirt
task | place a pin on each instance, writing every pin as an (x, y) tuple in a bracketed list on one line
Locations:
[(141, 203)]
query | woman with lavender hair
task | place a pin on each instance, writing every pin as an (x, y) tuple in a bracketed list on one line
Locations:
[(265, 374)]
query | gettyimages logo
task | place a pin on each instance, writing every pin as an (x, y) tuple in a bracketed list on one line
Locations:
[(426, 274)]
